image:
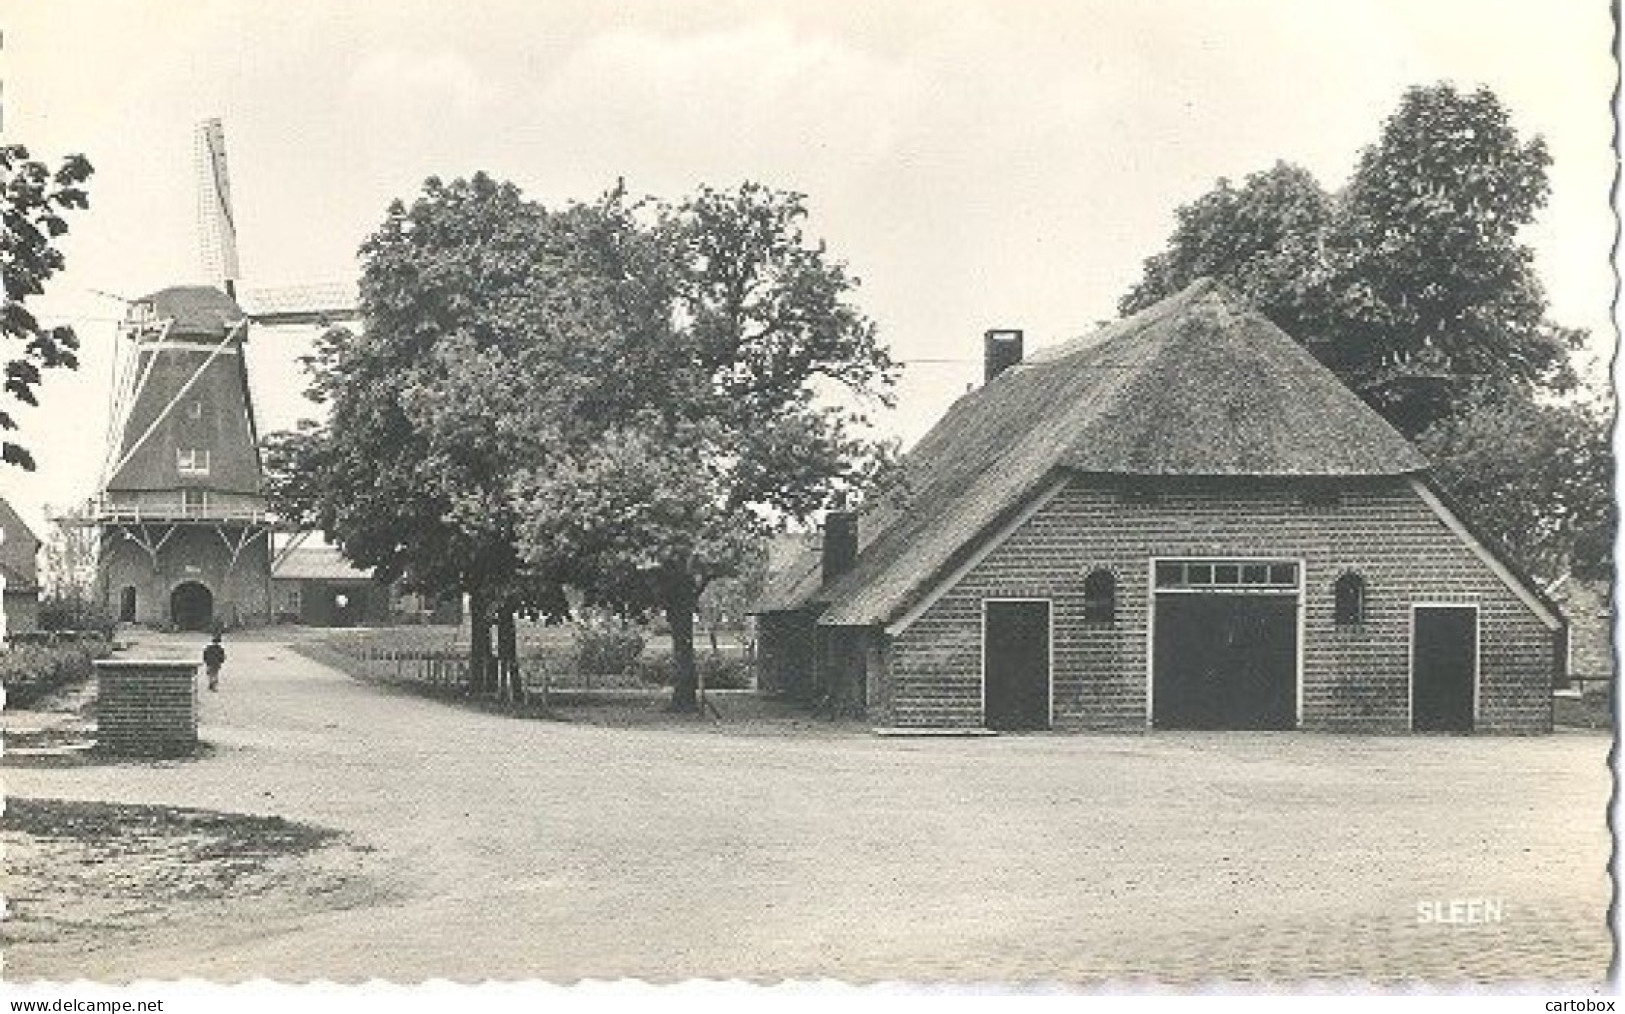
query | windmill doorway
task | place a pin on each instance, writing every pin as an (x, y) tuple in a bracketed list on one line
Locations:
[(191, 606)]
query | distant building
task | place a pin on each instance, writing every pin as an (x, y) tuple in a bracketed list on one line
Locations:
[(19, 573), (314, 585), (1182, 520), (1589, 604)]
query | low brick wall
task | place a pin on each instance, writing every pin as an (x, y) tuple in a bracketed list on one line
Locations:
[(146, 707)]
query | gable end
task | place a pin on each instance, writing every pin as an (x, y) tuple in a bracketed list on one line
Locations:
[(1506, 570)]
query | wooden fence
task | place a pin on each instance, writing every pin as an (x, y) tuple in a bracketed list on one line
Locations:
[(450, 669)]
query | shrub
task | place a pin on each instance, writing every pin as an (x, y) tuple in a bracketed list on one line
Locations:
[(718, 672), (74, 612), (724, 672), (30, 671), (607, 651), (655, 670)]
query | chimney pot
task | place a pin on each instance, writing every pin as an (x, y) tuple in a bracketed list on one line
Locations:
[(1001, 349), (840, 543)]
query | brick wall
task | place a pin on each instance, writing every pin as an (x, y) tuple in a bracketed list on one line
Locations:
[(1354, 678), (192, 553), (146, 709)]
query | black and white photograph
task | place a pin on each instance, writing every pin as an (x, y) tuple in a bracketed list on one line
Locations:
[(981, 497)]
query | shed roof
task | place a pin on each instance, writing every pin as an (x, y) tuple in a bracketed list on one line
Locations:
[(317, 563), (1199, 384), (19, 549)]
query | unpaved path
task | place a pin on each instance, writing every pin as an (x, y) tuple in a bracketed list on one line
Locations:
[(529, 849)]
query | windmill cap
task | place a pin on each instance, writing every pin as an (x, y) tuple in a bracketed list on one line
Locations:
[(191, 310)]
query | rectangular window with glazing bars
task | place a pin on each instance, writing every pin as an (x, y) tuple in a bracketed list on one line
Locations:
[(1226, 574), (192, 462)]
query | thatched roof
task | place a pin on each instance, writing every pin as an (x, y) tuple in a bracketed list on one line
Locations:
[(1197, 385), (202, 317), (195, 310)]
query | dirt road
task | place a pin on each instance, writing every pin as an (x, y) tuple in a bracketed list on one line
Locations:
[(528, 849)]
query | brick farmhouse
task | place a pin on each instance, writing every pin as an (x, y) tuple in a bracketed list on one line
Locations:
[(1182, 520)]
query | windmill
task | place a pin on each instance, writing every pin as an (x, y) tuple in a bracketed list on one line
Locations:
[(186, 536)]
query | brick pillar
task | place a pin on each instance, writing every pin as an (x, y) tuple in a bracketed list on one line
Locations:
[(146, 707)]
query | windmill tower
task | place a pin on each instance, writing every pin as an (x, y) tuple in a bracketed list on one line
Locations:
[(186, 536)]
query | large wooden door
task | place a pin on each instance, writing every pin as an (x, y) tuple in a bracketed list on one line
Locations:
[(1015, 665), (1225, 661), (191, 606), (1444, 667)]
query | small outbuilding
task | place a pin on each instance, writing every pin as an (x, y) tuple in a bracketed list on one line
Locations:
[(19, 574), (316, 586), (1181, 521)]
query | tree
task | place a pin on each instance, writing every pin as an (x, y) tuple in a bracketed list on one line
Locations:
[(1537, 478), (1264, 239), (32, 198), (725, 430), (1411, 283), (68, 559), (409, 474)]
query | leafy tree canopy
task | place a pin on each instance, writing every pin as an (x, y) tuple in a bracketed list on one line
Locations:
[(408, 473), (622, 397), (32, 199), (1411, 283), (1536, 477), (730, 432)]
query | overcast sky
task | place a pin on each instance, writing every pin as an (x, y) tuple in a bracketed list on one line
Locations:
[(978, 163)]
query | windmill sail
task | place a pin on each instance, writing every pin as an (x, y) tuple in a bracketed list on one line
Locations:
[(217, 229)]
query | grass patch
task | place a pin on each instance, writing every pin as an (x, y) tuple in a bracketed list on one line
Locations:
[(209, 834), (83, 877)]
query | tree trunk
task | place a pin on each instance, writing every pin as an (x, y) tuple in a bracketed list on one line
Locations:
[(479, 642), (680, 602), (508, 655)]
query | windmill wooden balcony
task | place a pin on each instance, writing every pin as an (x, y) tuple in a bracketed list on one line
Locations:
[(166, 508)]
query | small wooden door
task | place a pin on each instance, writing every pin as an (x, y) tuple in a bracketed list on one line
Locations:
[(1444, 667), (1015, 665)]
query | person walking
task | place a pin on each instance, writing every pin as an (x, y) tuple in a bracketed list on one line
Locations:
[(214, 656)]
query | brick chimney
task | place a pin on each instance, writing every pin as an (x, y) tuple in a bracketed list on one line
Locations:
[(840, 543), (1001, 349)]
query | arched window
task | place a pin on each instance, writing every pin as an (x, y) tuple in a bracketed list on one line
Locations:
[(1100, 597), (1348, 600)]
